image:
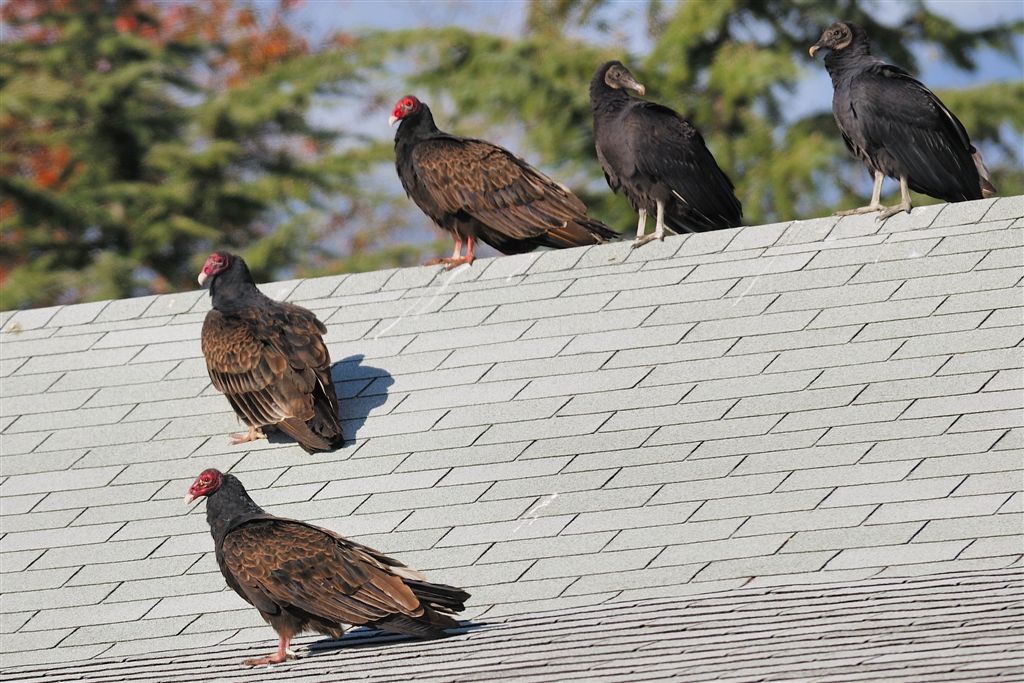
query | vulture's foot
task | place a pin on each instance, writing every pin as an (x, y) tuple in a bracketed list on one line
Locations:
[(641, 241), (892, 211), (275, 658), (870, 208), (283, 654), (252, 435), (449, 262)]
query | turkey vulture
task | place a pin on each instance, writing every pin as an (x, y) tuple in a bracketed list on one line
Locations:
[(479, 191), (268, 358), (658, 159), (303, 578), (897, 126)]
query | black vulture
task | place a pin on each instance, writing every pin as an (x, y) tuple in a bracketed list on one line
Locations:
[(658, 159), (897, 126), (478, 190)]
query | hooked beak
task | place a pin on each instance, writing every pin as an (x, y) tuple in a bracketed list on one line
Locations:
[(391, 120), (189, 497), (202, 278), (636, 86), (813, 49)]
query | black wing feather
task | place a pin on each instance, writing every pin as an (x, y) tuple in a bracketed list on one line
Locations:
[(672, 149), (653, 154), (900, 126)]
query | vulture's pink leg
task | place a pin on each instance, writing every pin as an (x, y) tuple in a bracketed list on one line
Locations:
[(468, 258), (455, 254), (281, 655)]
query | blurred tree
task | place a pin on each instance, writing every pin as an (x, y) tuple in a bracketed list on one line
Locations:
[(136, 136), (732, 67)]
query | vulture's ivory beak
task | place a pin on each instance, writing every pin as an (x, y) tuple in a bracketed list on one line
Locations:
[(630, 83), (813, 49), (202, 278), (391, 120), (189, 498)]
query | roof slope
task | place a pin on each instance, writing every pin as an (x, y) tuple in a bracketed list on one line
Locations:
[(824, 401), (878, 629)]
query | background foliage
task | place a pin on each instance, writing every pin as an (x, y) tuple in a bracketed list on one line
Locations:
[(136, 136)]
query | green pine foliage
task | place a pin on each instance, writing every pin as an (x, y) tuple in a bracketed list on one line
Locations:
[(730, 66), (136, 136), (131, 150)]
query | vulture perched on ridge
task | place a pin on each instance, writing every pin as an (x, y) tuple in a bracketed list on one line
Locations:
[(897, 126), (658, 159), (268, 358), (303, 578), (479, 191)]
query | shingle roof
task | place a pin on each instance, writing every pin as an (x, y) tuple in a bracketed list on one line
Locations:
[(606, 433), (878, 629)]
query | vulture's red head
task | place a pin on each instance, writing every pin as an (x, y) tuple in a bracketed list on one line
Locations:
[(215, 263), (404, 108), (205, 484)]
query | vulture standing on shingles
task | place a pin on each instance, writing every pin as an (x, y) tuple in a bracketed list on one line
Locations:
[(268, 359), (304, 578), (479, 191), (897, 126), (658, 159)]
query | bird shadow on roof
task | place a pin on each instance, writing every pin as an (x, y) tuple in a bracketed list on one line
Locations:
[(366, 637), (361, 388)]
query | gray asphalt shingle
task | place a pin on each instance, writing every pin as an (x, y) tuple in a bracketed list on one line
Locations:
[(813, 402)]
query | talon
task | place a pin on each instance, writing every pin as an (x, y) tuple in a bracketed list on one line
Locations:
[(283, 654), (455, 262), (449, 262), (892, 211), (858, 211), (253, 434), (270, 659), (641, 241)]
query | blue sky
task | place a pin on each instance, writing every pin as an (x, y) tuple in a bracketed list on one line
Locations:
[(322, 17)]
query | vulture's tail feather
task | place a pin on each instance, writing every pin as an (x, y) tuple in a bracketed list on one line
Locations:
[(430, 625), (447, 598), (310, 441), (987, 188)]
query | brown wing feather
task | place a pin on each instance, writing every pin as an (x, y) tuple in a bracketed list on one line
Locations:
[(271, 363), (293, 564), (494, 186)]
